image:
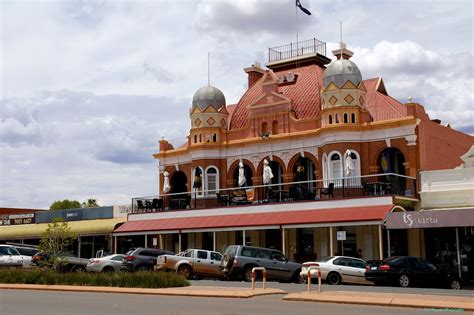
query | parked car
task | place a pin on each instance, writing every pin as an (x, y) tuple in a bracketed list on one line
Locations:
[(192, 263), (68, 262), (27, 252), (410, 271), (337, 270), (109, 263), (238, 261), (10, 257), (142, 259)]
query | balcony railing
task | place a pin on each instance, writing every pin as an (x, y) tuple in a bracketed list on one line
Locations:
[(290, 192), (291, 50)]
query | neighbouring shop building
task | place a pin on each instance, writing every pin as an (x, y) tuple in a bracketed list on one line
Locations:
[(446, 217), (93, 227), (343, 154)]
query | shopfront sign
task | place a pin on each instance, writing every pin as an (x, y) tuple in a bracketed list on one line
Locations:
[(15, 219), (430, 219)]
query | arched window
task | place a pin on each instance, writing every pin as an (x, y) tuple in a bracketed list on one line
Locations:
[(330, 119), (200, 137), (195, 138), (337, 118), (335, 168), (211, 181), (274, 127), (214, 138), (264, 127), (346, 120), (353, 118)]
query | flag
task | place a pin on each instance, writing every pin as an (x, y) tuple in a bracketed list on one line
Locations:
[(298, 4)]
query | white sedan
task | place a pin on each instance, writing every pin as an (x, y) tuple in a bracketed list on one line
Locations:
[(109, 263), (336, 270), (10, 257)]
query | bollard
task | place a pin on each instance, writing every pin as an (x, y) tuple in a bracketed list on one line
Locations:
[(309, 277), (264, 272)]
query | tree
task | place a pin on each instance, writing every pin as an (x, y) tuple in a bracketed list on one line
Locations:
[(65, 204), (90, 203), (55, 242)]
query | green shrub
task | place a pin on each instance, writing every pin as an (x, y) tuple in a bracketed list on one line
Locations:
[(118, 279)]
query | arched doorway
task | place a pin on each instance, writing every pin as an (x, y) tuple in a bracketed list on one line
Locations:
[(303, 171), (391, 160), (277, 171), (248, 175), (178, 182)]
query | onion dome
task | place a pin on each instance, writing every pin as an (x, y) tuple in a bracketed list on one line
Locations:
[(342, 70), (208, 96)]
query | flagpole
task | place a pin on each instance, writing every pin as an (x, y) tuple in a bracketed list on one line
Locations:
[(296, 15)]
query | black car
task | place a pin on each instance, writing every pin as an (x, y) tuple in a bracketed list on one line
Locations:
[(142, 259), (409, 271)]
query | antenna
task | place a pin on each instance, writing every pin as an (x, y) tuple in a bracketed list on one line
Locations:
[(208, 69), (340, 29)]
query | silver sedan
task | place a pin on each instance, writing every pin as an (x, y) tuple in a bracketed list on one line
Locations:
[(337, 270), (105, 264)]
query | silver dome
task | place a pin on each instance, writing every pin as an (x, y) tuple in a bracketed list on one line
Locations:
[(340, 71), (208, 95)]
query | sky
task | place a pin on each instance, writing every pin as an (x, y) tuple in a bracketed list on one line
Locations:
[(88, 88)]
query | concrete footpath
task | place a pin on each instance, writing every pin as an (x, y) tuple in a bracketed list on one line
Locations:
[(429, 301)]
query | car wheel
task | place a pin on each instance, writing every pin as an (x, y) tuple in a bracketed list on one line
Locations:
[(403, 281), (303, 280), (227, 260), (185, 271), (455, 284), (108, 269), (378, 283), (333, 278), (142, 269), (247, 276), (295, 278)]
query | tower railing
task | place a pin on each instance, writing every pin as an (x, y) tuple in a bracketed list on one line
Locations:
[(310, 46)]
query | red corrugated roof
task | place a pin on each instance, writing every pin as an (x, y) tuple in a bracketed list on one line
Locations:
[(304, 95), (380, 105), (351, 214)]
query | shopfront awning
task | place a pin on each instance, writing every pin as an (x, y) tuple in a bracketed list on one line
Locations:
[(373, 214), (86, 227)]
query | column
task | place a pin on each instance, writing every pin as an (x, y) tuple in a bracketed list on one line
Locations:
[(458, 253), (214, 241), (380, 243), (146, 240), (179, 243), (243, 237), (331, 249), (388, 244), (283, 245)]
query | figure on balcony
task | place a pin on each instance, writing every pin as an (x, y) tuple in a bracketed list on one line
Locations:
[(267, 172), (166, 182), (242, 178), (349, 165)]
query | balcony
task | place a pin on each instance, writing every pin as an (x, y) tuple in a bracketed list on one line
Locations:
[(299, 49), (289, 192)]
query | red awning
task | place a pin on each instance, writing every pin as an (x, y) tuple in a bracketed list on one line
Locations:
[(350, 214)]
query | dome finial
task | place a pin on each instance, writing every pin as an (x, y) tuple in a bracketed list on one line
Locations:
[(208, 69), (340, 43)]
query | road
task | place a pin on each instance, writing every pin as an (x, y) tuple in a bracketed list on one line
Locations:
[(23, 302), (296, 287)]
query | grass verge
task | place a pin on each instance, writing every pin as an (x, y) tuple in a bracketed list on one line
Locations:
[(113, 279)]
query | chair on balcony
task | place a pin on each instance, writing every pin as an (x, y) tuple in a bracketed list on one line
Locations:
[(157, 204), (329, 191), (238, 197), (222, 200), (140, 206)]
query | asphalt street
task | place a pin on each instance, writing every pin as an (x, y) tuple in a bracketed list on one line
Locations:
[(23, 302)]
